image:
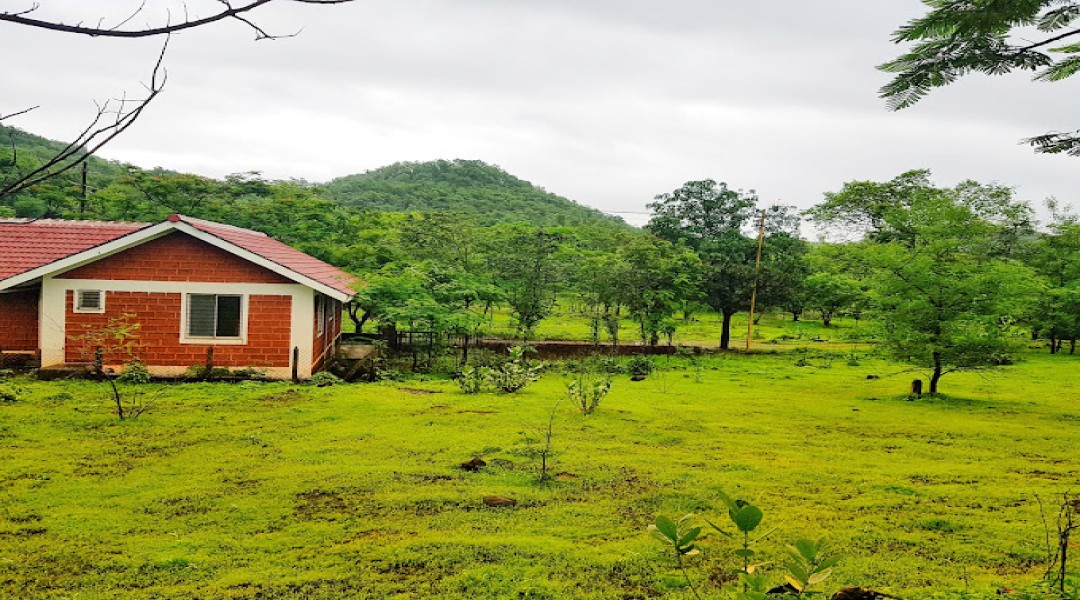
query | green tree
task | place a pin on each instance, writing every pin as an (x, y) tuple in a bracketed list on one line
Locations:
[(660, 279), (829, 294), (946, 303), (699, 212), (528, 267), (707, 217), (1056, 257), (783, 264), (958, 37), (600, 281)]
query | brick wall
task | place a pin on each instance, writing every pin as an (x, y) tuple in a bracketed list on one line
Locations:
[(158, 342), (19, 320), (175, 257)]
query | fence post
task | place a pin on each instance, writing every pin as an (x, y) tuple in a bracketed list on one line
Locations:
[(296, 364), (209, 362)]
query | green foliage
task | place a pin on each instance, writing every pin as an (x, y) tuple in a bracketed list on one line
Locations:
[(59, 196), (660, 279), (507, 376), (679, 536), (808, 564), (941, 264), (473, 380), (829, 294), (640, 366), (516, 373), (529, 268), (469, 187), (746, 518), (959, 37), (325, 379), (9, 391), (586, 388), (135, 372)]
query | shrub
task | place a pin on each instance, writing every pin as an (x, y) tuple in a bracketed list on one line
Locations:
[(640, 367), (606, 364), (509, 376), (134, 372), (516, 373), (473, 380), (9, 392), (586, 389), (326, 379)]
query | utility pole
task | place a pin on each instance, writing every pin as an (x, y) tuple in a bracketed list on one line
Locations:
[(757, 270), (82, 201)]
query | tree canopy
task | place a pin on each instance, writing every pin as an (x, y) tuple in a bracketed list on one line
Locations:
[(959, 37)]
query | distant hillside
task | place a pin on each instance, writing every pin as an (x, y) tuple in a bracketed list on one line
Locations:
[(486, 192), (465, 186), (33, 150)]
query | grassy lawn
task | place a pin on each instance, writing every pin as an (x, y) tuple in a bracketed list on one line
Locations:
[(273, 490), (703, 329)]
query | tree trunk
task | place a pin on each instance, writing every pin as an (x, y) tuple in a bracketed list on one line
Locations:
[(1053, 344), (937, 374), (826, 317), (725, 329), (795, 315)]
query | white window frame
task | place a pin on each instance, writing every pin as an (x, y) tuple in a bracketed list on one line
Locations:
[(76, 305), (184, 317)]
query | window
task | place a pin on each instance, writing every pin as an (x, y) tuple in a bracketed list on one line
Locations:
[(214, 316), (89, 301), (320, 315)]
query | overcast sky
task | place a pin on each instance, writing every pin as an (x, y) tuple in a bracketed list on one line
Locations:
[(607, 102)]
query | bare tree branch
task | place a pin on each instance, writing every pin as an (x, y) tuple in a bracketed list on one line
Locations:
[(20, 112), (123, 111), (230, 12), (99, 132)]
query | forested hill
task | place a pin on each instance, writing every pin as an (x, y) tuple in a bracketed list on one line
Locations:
[(464, 186), (32, 150)]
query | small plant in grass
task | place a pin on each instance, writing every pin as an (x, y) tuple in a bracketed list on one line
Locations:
[(1058, 576), (129, 396), (325, 379), (473, 380), (587, 388), (807, 564), (9, 392), (516, 373), (746, 518), (639, 367), (539, 444), (679, 536), (606, 364)]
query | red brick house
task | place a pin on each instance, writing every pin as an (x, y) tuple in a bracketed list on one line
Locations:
[(190, 285)]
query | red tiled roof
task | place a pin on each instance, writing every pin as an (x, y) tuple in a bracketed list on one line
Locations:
[(26, 244), (275, 251)]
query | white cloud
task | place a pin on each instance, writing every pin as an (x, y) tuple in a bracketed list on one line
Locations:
[(607, 102)]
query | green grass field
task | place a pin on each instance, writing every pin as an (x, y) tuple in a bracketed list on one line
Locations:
[(271, 490)]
